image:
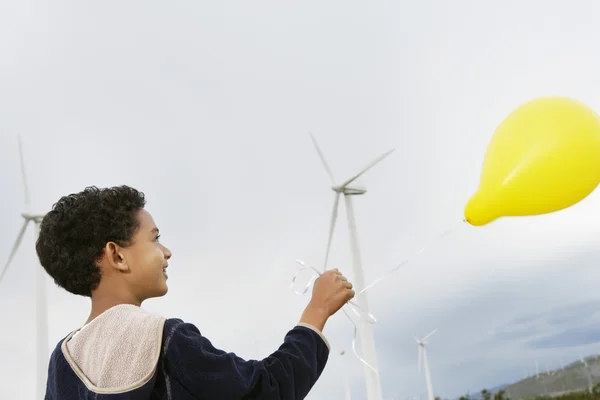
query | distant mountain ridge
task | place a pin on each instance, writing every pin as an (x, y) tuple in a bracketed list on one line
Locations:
[(574, 377)]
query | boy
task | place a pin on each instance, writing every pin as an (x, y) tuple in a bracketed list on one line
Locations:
[(103, 244)]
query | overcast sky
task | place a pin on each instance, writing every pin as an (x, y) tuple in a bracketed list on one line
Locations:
[(206, 107)]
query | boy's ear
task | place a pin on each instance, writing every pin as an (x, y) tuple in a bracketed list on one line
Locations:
[(115, 257)]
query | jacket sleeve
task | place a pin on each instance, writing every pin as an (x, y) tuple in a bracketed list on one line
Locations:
[(209, 373)]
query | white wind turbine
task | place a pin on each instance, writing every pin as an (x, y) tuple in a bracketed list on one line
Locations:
[(41, 313), (589, 373), (367, 338), (346, 382), (537, 376), (422, 343)]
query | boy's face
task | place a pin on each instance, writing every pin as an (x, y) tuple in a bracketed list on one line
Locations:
[(147, 260)]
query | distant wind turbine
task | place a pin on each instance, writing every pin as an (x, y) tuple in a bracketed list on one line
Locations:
[(41, 312), (589, 373), (346, 382), (422, 343)]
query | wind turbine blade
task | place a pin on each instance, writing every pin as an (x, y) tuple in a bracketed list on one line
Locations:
[(368, 167), (334, 213), (14, 249), (322, 157), (24, 176), (428, 336), (347, 389)]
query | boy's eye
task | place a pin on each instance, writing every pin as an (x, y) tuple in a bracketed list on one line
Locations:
[(157, 237)]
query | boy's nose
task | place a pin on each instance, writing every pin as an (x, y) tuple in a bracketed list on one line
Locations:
[(167, 253)]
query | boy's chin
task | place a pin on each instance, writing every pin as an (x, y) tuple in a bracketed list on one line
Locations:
[(162, 290), (159, 291)]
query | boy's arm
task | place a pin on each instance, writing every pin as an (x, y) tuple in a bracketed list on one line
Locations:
[(209, 373), (289, 373)]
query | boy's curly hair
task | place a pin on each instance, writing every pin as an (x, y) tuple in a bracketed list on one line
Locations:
[(73, 235)]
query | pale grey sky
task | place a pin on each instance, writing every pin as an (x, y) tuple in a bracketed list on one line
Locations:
[(206, 107)]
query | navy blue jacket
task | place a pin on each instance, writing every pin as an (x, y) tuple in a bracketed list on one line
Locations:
[(190, 367)]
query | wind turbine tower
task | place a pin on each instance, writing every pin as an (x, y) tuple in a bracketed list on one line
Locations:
[(41, 312)]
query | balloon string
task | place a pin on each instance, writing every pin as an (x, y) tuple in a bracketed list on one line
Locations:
[(407, 260), (366, 316)]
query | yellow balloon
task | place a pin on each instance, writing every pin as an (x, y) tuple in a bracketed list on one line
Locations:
[(544, 157)]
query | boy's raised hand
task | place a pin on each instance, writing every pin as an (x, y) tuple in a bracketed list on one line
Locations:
[(331, 292)]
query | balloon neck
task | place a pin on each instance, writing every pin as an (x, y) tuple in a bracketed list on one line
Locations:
[(482, 209)]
